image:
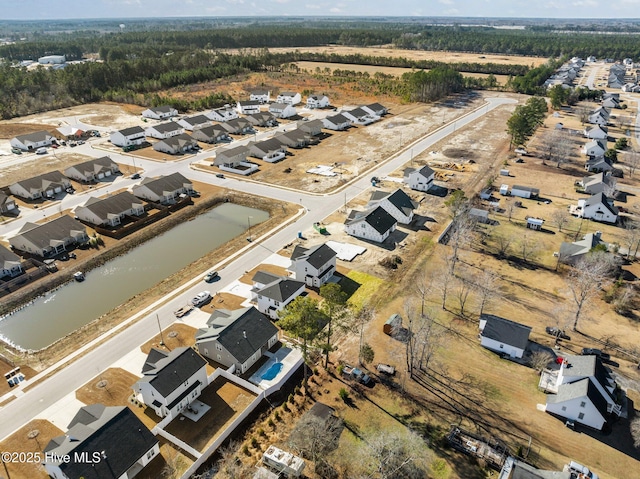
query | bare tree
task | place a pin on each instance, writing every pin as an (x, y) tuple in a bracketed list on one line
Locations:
[(631, 237), (510, 209), (503, 245), (229, 466), (528, 248), (589, 275), (583, 114), (611, 188), (443, 283), (460, 236), (463, 291), (540, 359), (560, 217), (486, 287), (392, 454), (556, 147), (624, 301), (314, 437), (632, 160), (635, 432), (424, 336)]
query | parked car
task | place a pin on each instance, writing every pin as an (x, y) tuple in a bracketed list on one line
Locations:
[(386, 369), (201, 298), (80, 142), (596, 352), (357, 374), (17, 151), (219, 175), (581, 471), (41, 151), (557, 332), (135, 176), (183, 311), (211, 276), (520, 151)]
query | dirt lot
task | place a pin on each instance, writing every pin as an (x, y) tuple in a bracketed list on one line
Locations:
[(448, 57), (111, 388)]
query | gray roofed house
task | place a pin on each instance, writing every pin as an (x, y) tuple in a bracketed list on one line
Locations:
[(598, 183), (262, 96), (32, 141), (160, 112), (224, 113), (211, 134), (42, 186), (176, 145), (596, 164), (164, 130), (163, 189), (398, 204), (171, 380), (109, 211), (274, 296), (312, 127), (516, 469), (503, 336), (51, 238), (360, 116), (7, 204), (121, 441), (296, 138), (572, 252), (282, 110), (336, 122), (376, 109), (128, 136), (93, 170), (192, 122), (479, 215), (10, 263), (580, 401), (374, 224), (315, 265), (263, 118), (237, 338), (247, 107), (289, 98), (238, 126), (234, 160), (261, 278), (271, 150), (597, 207), (317, 101)]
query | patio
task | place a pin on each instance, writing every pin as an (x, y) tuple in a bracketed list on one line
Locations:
[(288, 357)]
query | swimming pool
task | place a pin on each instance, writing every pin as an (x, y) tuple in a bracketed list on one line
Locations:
[(272, 372)]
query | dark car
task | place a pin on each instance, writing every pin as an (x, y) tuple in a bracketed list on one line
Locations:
[(557, 332), (596, 352), (135, 176)]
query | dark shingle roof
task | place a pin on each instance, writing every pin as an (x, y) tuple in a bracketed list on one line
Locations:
[(103, 163), (161, 109), (398, 198), (35, 137), (578, 389), (267, 146), (116, 431), (60, 228), (210, 131), (161, 184), (601, 198), (338, 119), (378, 218), (505, 331), (426, 171), (167, 127), (197, 120), (42, 182), (317, 256), (115, 204), (131, 131), (281, 289), (247, 330), (263, 277), (7, 256), (358, 112), (166, 373), (179, 140)]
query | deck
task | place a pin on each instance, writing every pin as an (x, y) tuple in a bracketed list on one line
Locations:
[(493, 452)]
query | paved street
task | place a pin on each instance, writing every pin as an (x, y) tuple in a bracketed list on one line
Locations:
[(101, 355)]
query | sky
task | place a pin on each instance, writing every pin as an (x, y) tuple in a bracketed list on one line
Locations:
[(61, 9)]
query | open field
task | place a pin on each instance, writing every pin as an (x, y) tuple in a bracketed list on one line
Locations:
[(441, 56), (311, 67)]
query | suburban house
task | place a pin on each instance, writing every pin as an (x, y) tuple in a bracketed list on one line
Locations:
[(631, 88), (109, 212), (597, 133), (260, 280), (261, 96), (272, 297), (515, 469), (313, 127), (584, 392), (419, 180), (93, 170), (223, 114), (288, 97), (374, 224), (236, 338), (43, 186), (296, 138), (128, 137), (270, 150), (572, 252), (597, 207), (503, 336), (164, 130), (10, 263), (163, 189), (376, 109), (595, 148), (317, 101), (160, 112), (263, 118), (32, 141), (598, 183), (524, 191), (211, 134), (176, 145), (598, 118), (282, 110), (7, 204), (113, 441), (611, 102), (359, 116), (192, 122), (597, 164), (171, 380), (315, 266), (72, 132), (234, 160), (248, 107), (336, 122), (237, 126), (398, 204), (51, 238)]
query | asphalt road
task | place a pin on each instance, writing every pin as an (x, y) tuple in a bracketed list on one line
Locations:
[(48, 391)]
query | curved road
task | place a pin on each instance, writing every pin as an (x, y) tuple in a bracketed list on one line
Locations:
[(101, 354)]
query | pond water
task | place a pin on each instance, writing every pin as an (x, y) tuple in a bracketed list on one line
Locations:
[(56, 314)]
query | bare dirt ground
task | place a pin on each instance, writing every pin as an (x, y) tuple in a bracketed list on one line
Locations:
[(448, 57), (111, 388), (175, 336)]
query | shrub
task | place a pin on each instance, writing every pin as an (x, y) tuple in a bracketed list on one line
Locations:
[(290, 398), (285, 406), (296, 390), (261, 432), (254, 442), (344, 394), (276, 415), (270, 422), (340, 368), (245, 450)]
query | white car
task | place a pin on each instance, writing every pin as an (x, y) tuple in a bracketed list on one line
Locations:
[(584, 471), (201, 298)]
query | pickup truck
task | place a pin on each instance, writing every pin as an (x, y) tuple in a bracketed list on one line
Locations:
[(386, 369), (357, 374), (183, 311)]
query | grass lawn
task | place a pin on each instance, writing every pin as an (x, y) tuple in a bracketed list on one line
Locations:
[(111, 388), (360, 288), (31, 438)]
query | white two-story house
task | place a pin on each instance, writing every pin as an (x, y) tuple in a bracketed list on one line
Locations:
[(314, 266)]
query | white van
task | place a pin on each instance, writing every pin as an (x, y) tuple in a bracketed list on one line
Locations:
[(41, 151)]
